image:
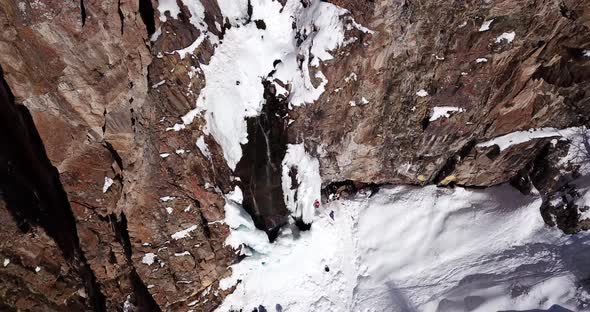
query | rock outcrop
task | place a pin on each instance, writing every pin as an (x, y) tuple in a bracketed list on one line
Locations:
[(128, 201), (376, 121), (81, 70)]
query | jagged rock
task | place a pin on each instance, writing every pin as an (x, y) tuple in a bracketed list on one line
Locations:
[(562, 209), (35, 275), (105, 91), (81, 69), (540, 79)]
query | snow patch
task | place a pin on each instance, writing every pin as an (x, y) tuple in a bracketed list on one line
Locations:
[(300, 198), (167, 198), (244, 235), (519, 137), (444, 112), (507, 36), (485, 26), (481, 60), (422, 93), (184, 233), (155, 86), (169, 6), (190, 49), (6, 262), (148, 258), (176, 127), (182, 254), (203, 147), (156, 34), (351, 77), (107, 184)]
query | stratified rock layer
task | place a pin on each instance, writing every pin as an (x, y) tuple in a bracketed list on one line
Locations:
[(104, 89), (371, 124), (81, 69)]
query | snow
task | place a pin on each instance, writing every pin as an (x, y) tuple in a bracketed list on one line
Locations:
[(291, 271), (191, 48), (579, 149), (176, 127), (155, 86), (169, 6), (37, 269), (300, 200), (164, 155), (485, 26), (197, 14), (6, 262), (203, 147), (351, 77), (587, 53), (156, 34), (167, 198), (481, 60), (148, 258), (169, 210), (184, 233), (107, 184), (508, 36), (182, 254), (422, 93), (416, 249), (247, 55), (360, 27), (444, 112), (244, 231), (128, 306), (519, 137)]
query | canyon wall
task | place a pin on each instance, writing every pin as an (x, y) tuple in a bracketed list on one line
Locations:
[(110, 202)]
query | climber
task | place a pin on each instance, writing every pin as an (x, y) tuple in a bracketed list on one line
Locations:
[(316, 204)]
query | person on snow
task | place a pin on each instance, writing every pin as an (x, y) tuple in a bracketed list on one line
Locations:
[(316, 204)]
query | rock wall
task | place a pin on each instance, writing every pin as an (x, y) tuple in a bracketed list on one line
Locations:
[(373, 123), (105, 87), (83, 70)]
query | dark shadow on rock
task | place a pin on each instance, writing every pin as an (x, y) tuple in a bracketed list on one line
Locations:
[(260, 167), (32, 190)]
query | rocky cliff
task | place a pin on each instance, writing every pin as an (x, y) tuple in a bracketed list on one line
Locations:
[(113, 201)]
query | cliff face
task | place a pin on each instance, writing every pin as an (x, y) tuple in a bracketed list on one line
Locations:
[(81, 70), (380, 118), (134, 218)]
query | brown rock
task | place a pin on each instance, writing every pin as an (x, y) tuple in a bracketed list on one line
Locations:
[(538, 80)]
